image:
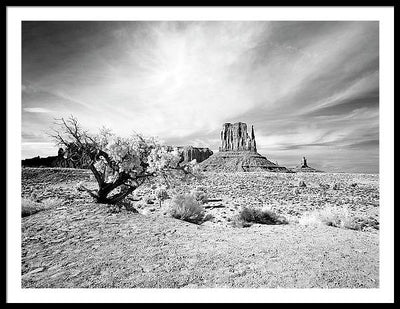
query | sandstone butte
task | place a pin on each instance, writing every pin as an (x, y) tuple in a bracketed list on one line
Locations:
[(189, 153), (238, 152)]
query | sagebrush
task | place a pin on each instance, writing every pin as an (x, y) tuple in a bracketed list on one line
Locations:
[(262, 216), (200, 195), (338, 217), (161, 194), (185, 207)]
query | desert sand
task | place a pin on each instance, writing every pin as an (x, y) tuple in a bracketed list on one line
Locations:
[(77, 243)]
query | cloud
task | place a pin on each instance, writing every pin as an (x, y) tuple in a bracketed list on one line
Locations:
[(349, 104), (37, 110), (303, 85), (34, 149)]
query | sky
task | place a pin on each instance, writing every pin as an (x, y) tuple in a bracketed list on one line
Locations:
[(309, 88)]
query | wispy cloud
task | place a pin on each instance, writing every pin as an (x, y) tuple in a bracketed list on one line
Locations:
[(37, 110), (305, 86)]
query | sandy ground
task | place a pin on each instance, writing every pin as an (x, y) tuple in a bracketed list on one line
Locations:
[(80, 244)]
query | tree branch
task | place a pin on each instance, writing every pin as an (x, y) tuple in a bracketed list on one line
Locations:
[(99, 178), (120, 196), (90, 192)]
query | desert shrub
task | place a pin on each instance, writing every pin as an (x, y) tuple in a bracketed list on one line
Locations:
[(237, 221), (186, 208), (208, 217), (30, 207), (161, 194), (366, 223), (200, 194), (335, 216), (261, 216)]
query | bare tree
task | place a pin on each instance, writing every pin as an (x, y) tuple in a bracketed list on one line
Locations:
[(119, 165)]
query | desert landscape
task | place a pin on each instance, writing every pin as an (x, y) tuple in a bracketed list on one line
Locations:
[(75, 242), (150, 150)]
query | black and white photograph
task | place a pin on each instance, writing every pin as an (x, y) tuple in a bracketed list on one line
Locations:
[(202, 154)]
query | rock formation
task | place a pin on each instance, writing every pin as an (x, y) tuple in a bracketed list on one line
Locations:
[(51, 161), (190, 153), (303, 167), (234, 137), (238, 152), (72, 158), (64, 158)]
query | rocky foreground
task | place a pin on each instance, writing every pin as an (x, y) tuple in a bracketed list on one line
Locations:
[(288, 194), (78, 243)]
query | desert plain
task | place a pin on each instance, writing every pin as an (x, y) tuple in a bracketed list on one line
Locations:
[(76, 243)]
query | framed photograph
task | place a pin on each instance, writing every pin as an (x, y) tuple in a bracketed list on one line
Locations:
[(200, 154)]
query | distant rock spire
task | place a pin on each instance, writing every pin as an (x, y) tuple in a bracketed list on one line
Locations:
[(303, 167), (253, 146)]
